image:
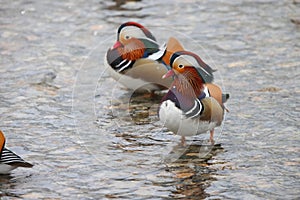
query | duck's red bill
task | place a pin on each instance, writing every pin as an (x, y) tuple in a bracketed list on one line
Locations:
[(168, 74), (117, 45)]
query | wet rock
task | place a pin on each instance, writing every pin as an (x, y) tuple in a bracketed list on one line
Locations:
[(269, 89), (295, 21)]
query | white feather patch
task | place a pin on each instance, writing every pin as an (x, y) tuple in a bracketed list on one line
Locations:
[(159, 54), (174, 119)]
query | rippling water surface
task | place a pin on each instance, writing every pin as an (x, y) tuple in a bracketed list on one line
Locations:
[(89, 138)]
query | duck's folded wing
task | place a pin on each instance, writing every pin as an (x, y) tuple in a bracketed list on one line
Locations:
[(10, 158)]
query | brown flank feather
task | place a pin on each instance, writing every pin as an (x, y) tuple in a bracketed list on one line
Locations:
[(213, 112)]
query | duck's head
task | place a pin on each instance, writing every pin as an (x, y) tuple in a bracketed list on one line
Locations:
[(131, 32), (134, 41), (189, 72)]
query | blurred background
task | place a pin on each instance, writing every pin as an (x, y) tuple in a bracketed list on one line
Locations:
[(61, 111)]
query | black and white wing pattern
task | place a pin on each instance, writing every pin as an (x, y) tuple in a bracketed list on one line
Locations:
[(10, 158)]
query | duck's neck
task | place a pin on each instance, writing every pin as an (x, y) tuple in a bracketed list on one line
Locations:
[(188, 85), (184, 92)]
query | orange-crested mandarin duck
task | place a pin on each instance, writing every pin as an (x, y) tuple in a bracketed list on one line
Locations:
[(137, 61), (9, 160), (189, 108)]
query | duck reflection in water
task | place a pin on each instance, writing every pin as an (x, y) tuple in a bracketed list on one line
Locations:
[(189, 166), (192, 173)]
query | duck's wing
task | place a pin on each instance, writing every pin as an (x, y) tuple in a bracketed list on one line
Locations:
[(173, 46), (10, 158)]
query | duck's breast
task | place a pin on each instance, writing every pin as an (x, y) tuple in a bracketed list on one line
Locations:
[(175, 120)]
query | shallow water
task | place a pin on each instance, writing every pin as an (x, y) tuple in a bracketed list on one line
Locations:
[(90, 139)]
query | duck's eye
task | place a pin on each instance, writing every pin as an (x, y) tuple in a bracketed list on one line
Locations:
[(180, 66), (127, 37)]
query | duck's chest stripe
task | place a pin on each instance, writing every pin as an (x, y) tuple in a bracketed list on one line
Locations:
[(115, 60), (125, 64), (189, 107), (196, 110)]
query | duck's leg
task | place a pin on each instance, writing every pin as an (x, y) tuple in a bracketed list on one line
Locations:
[(211, 137), (183, 143)]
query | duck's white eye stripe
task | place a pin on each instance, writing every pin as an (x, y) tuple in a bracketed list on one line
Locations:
[(174, 61)]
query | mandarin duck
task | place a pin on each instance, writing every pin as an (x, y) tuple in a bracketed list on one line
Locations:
[(137, 61), (189, 108), (9, 160)]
